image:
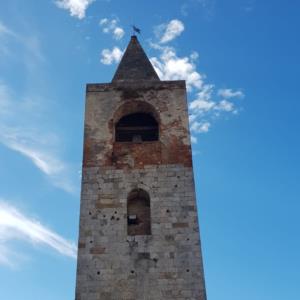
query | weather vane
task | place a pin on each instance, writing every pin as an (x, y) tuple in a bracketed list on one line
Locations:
[(135, 30)]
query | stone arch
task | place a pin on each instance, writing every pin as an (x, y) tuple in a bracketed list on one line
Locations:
[(138, 213)]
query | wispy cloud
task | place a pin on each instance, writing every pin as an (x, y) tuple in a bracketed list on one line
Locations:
[(4, 30), (14, 225), (248, 5), (22, 115), (169, 31), (111, 26), (229, 93), (200, 127), (27, 143), (77, 8), (207, 7), (207, 105), (38, 147), (109, 57), (19, 132), (204, 103), (31, 50)]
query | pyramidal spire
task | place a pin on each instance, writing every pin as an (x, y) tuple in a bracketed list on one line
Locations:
[(135, 64)]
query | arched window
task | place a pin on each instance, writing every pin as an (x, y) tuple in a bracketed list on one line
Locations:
[(137, 127), (138, 213)]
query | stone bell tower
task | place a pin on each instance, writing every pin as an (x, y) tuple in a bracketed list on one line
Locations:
[(139, 236)]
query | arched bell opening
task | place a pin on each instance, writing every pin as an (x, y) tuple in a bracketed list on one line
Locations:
[(137, 127)]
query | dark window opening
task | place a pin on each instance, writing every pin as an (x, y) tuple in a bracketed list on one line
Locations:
[(138, 213), (132, 219), (137, 127)]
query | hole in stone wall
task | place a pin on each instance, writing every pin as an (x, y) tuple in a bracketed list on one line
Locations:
[(137, 127), (138, 213)]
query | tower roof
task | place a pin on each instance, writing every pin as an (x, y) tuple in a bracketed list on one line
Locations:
[(135, 64)]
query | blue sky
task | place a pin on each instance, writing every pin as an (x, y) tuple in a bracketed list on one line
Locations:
[(241, 63)]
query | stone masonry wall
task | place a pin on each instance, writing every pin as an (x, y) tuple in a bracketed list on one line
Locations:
[(165, 265)]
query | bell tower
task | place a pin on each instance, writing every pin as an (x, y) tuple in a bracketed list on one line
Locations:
[(139, 235)]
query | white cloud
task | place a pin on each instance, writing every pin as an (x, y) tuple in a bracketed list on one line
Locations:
[(119, 33), (103, 21), (225, 105), (200, 127), (111, 56), (19, 132), (229, 93), (111, 26), (14, 225), (77, 8), (208, 104), (203, 102), (171, 67), (168, 32)]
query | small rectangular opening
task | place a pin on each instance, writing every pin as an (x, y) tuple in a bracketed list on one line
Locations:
[(132, 219)]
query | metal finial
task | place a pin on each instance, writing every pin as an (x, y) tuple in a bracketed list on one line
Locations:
[(135, 30)]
